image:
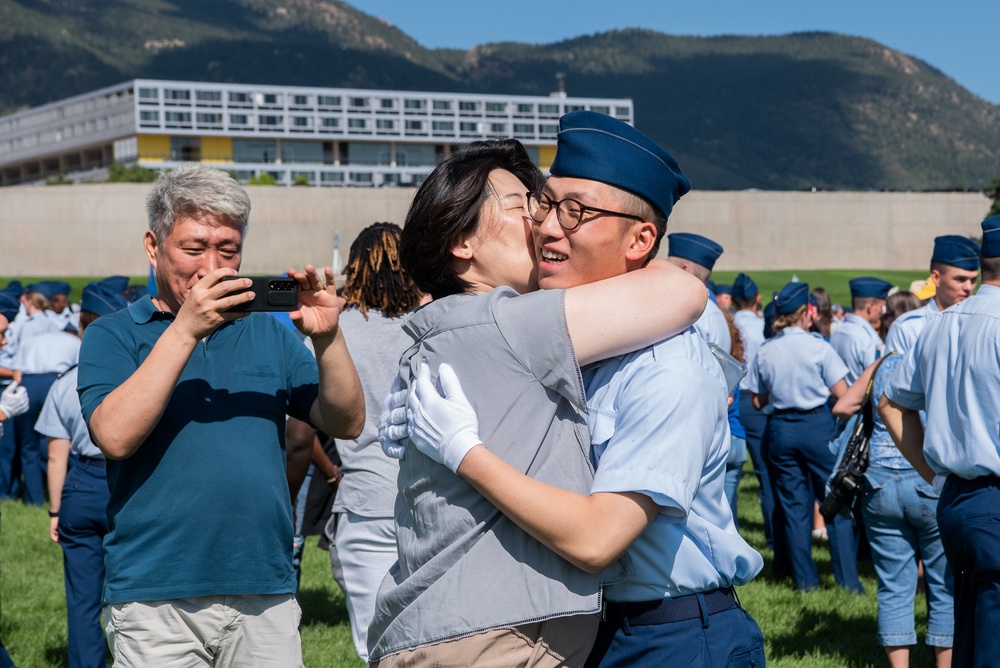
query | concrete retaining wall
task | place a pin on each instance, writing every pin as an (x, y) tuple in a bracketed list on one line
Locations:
[(93, 230)]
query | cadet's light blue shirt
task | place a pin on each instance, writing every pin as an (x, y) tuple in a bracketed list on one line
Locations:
[(712, 326), (906, 328), (797, 369), (857, 343), (28, 327), (953, 371), (52, 352), (751, 328), (658, 426), (61, 417)]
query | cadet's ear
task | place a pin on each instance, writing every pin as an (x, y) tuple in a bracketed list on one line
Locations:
[(462, 249), (641, 238)]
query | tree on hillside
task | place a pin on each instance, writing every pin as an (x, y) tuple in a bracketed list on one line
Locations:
[(993, 192)]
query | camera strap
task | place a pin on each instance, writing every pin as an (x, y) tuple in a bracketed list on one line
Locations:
[(866, 423)]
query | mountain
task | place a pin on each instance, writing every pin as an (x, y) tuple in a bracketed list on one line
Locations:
[(795, 111)]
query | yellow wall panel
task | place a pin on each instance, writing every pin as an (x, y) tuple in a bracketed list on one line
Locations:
[(216, 149), (154, 147), (546, 154)]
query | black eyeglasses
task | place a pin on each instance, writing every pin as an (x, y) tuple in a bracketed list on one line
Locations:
[(569, 212)]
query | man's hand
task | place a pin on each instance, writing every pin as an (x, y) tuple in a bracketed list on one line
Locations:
[(318, 314), (14, 400), (443, 427), (392, 425), (54, 529), (208, 302)]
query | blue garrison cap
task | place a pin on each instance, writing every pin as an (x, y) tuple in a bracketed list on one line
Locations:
[(694, 247), (601, 148), (869, 286), (100, 300), (9, 304), (115, 283), (49, 288), (957, 251), (791, 297), (744, 287), (723, 289), (15, 287), (991, 237)]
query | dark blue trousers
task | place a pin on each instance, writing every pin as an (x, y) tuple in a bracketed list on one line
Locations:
[(727, 639), (755, 424), (801, 462), (33, 456), (969, 521), (83, 523)]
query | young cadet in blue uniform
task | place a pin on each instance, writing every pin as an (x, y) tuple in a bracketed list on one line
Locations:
[(659, 438), (697, 255), (79, 497), (954, 269), (857, 340), (796, 372), (723, 296), (953, 373)]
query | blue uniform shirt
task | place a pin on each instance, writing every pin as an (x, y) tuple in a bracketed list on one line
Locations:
[(751, 328), (658, 426), (52, 352), (211, 474), (906, 328), (797, 369), (712, 327), (857, 343), (953, 372), (61, 417)]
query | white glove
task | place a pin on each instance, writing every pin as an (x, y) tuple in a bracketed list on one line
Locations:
[(392, 427), (444, 427), (14, 400)]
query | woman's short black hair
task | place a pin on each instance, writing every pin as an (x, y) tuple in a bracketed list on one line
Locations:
[(446, 209)]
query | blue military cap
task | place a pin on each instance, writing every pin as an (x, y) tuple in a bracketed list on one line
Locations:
[(60, 287), (44, 288), (769, 317), (100, 300), (601, 148), (694, 247), (9, 304), (115, 283), (723, 289), (791, 297), (991, 237), (956, 251), (744, 287), (869, 286), (15, 287)]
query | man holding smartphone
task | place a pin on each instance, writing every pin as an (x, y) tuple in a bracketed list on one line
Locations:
[(187, 399)]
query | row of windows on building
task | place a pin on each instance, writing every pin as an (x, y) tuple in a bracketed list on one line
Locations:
[(215, 121), (317, 102), (68, 132), (73, 110)]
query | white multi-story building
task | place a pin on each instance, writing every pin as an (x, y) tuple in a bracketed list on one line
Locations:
[(318, 136)]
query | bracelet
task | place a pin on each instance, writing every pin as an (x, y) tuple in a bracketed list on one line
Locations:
[(53, 513)]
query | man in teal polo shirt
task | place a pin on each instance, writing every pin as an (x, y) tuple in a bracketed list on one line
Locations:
[(187, 399)]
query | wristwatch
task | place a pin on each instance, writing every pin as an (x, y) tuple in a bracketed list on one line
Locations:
[(53, 513)]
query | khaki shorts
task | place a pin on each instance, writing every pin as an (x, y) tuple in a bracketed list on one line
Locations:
[(260, 630), (559, 642)]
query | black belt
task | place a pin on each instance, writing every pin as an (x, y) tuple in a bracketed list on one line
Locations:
[(799, 411), (96, 462), (667, 610)]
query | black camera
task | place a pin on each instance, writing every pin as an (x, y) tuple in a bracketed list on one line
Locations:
[(845, 487), (270, 293)]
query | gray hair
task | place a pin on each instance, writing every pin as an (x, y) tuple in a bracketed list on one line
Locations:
[(194, 189)]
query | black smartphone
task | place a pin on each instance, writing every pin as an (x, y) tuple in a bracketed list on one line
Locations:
[(270, 293)]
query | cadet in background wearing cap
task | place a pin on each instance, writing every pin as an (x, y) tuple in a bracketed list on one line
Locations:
[(796, 372), (954, 269), (746, 299), (697, 255), (724, 296), (952, 372), (78, 495), (659, 436), (857, 340)]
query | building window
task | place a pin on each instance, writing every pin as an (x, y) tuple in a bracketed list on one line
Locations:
[(179, 95), (300, 121), (149, 93), (178, 117), (363, 177), (209, 119), (300, 100), (272, 99), (443, 126), (357, 123), (496, 107), (415, 104), (442, 105), (524, 128), (498, 128), (254, 150), (548, 109), (385, 124), (548, 128), (331, 177), (622, 112), (149, 116), (574, 107), (468, 127), (601, 109), (331, 122), (359, 102), (388, 103), (415, 126), (409, 155), (185, 149), (302, 152), (208, 96), (328, 100), (239, 98), (263, 120), (468, 106), (238, 119), (525, 108)]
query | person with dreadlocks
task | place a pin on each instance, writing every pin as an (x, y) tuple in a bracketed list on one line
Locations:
[(361, 531)]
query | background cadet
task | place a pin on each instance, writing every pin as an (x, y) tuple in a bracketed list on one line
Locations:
[(723, 296), (954, 269), (857, 339), (78, 496), (362, 531), (796, 372), (697, 255), (953, 373)]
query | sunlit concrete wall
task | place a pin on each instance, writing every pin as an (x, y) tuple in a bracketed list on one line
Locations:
[(91, 230)]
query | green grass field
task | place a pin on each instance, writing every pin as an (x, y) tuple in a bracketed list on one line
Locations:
[(828, 628), (834, 280)]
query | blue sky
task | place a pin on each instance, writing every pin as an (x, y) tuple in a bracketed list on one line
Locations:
[(958, 37)]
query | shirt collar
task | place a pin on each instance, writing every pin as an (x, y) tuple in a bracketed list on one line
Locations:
[(144, 311)]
